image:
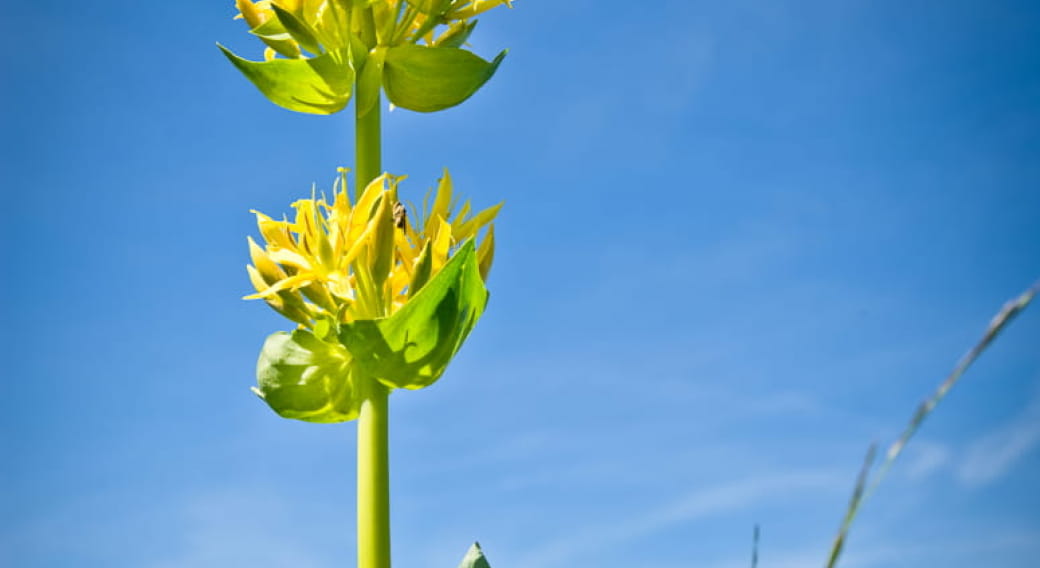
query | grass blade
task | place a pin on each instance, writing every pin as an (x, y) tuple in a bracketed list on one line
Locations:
[(865, 483), (858, 493), (754, 548)]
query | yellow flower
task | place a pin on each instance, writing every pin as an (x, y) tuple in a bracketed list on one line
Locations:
[(332, 22), (361, 260)]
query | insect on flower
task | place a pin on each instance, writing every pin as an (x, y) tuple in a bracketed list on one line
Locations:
[(400, 216)]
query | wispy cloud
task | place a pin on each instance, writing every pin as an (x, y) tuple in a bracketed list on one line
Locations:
[(951, 552), (885, 549), (991, 456), (694, 506), (926, 458), (238, 527), (794, 558)]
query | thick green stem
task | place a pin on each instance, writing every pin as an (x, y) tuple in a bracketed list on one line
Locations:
[(373, 496), (368, 138), (367, 148), (373, 453)]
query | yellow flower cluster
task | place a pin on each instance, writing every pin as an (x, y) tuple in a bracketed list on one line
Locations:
[(361, 261), (393, 22)]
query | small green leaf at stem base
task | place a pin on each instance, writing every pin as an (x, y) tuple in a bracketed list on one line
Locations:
[(428, 79)]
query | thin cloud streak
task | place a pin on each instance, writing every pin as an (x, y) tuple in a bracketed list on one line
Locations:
[(237, 527), (888, 552), (994, 454), (694, 506), (927, 459)]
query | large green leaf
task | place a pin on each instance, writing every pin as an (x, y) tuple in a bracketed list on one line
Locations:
[(412, 348), (303, 377), (428, 79), (320, 85), (474, 558)]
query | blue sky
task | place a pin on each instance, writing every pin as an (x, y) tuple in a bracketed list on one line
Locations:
[(741, 241)]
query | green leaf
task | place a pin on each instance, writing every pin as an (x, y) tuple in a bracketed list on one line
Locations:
[(428, 79), (357, 53), (321, 85), (298, 29), (271, 29), (474, 558), (273, 33), (412, 348), (368, 85), (303, 377)]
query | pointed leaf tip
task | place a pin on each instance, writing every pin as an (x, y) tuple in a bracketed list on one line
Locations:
[(474, 558)]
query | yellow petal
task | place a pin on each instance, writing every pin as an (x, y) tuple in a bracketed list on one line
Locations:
[(276, 233), (257, 280), (317, 292), (362, 212), (306, 226), (441, 243), (290, 282), (250, 13), (266, 267), (463, 213), (399, 280), (469, 228), (477, 7), (339, 284), (442, 203), (406, 253), (341, 202), (486, 253), (358, 244), (287, 257), (289, 5), (287, 303)]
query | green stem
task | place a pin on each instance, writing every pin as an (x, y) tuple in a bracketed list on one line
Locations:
[(373, 459), (367, 152), (373, 496)]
